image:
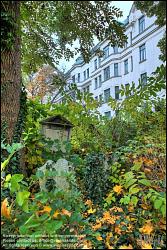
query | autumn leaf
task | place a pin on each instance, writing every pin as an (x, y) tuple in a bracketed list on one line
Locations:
[(91, 211), (46, 209), (97, 226), (99, 238), (146, 245), (65, 212), (126, 247), (89, 203), (117, 189), (56, 213), (5, 210), (147, 228)]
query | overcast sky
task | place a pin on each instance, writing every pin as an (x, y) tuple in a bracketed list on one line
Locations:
[(125, 6)]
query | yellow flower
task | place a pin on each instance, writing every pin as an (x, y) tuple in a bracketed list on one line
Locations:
[(147, 228), (126, 247), (66, 212), (5, 210), (108, 246), (91, 211), (117, 189), (146, 245), (99, 238)]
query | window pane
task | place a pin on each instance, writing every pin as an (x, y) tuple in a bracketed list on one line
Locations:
[(87, 73), (106, 95), (96, 86), (100, 81), (84, 75), (115, 69), (144, 79), (142, 51), (108, 114), (73, 79), (115, 49), (126, 66), (95, 64), (141, 24), (106, 73), (117, 92), (78, 77), (106, 52)]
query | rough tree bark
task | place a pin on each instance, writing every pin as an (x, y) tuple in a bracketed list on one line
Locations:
[(11, 72)]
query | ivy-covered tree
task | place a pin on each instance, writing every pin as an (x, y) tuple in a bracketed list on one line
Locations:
[(47, 29), (10, 66), (157, 8)]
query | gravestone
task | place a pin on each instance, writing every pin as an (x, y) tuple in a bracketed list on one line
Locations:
[(61, 167)]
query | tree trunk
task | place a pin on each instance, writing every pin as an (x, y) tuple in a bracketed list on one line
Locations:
[(10, 69)]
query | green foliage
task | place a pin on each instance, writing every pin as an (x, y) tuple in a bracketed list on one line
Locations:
[(46, 40), (95, 177)]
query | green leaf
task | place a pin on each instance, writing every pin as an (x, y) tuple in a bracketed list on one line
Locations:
[(134, 190), (158, 203), (134, 200), (145, 182), (53, 226), (163, 210), (21, 197), (137, 166), (130, 182)]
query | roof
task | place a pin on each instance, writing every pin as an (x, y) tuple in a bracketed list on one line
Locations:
[(57, 120)]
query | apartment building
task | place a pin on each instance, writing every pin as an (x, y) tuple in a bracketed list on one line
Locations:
[(138, 59)]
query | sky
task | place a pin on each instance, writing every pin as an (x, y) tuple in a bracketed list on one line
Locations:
[(125, 6)]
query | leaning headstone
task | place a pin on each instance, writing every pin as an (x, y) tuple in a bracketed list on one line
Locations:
[(60, 181)]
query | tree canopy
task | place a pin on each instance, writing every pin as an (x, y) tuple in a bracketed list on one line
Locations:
[(50, 27)]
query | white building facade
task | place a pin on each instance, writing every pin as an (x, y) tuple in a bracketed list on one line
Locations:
[(137, 60)]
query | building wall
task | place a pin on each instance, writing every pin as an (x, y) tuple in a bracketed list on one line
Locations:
[(149, 36)]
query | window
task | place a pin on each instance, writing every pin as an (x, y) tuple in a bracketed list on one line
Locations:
[(107, 73), (143, 79), (79, 77), (126, 66), (87, 73), (99, 61), (142, 52), (131, 58), (87, 88), (108, 114), (115, 69), (106, 95), (130, 37), (106, 51), (84, 75), (100, 81), (96, 84), (95, 64), (101, 98), (141, 24), (115, 49), (117, 92), (73, 79), (96, 98)]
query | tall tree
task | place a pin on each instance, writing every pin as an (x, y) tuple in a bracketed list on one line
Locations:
[(10, 66), (47, 30)]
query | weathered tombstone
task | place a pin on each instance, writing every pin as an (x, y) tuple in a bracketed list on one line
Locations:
[(56, 127), (61, 167)]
